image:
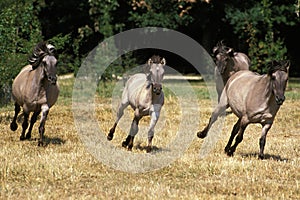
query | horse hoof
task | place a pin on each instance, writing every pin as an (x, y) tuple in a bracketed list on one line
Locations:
[(13, 126), (227, 149), (40, 143), (201, 134), (229, 153), (22, 138), (109, 137), (261, 156), (124, 144), (28, 136), (148, 149)]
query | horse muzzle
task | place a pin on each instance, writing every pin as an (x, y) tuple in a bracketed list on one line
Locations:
[(157, 88), (279, 100), (52, 79)]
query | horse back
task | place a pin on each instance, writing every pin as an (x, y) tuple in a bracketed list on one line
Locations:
[(242, 61)]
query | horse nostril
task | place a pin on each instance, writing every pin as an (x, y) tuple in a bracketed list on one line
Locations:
[(52, 79), (279, 100)]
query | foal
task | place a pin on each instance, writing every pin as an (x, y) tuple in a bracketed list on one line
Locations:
[(143, 92)]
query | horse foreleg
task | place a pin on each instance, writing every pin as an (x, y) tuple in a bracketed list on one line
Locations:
[(234, 131), (128, 142), (133, 131), (45, 111), (119, 115), (32, 122), (238, 138), (262, 140), (154, 114), (13, 124), (24, 126)]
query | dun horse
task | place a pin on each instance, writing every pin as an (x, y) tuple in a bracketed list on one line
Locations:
[(35, 89), (253, 98), (227, 63), (143, 92)]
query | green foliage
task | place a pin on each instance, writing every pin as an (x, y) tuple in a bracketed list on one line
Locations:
[(68, 62), (19, 30), (167, 14), (258, 26), (101, 13)]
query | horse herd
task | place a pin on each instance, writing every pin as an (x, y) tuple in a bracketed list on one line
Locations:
[(253, 98)]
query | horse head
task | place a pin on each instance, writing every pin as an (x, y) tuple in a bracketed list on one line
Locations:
[(155, 68), (43, 56), (223, 56), (278, 71)]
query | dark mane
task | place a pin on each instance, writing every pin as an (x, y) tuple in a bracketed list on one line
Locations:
[(220, 48), (41, 50), (281, 65)]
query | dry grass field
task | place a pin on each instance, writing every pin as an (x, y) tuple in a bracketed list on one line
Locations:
[(64, 168)]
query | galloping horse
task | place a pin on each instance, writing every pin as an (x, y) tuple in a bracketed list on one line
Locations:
[(227, 63), (143, 92), (35, 89), (252, 98)]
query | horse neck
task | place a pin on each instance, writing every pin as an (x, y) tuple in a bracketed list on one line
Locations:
[(229, 71), (267, 89), (150, 92), (40, 82)]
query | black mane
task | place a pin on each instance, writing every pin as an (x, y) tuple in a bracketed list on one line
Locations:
[(220, 48), (156, 59), (41, 50), (281, 65)]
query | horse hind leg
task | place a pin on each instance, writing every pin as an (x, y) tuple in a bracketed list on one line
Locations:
[(119, 115), (32, 122), (234, 131), (24, 126), (13, 124), (238, 138), (217, 112), (262, 140)]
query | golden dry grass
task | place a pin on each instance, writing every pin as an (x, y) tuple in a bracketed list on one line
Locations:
[(64, 169)]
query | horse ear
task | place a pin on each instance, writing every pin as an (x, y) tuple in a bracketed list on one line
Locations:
[(147, 66), (230, 52), (51, 48), (287, 65), (215, 49), (163, 61), (150, 61)]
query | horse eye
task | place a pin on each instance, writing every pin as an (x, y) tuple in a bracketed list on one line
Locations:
[(273, 77)]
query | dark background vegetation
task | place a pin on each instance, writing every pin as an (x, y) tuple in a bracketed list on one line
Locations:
[(265, 30)]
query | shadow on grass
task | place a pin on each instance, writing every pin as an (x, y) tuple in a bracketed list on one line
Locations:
[(53, 140), (266, 157), (154, 150)]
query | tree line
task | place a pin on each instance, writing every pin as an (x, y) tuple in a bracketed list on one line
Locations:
[(265, 30)]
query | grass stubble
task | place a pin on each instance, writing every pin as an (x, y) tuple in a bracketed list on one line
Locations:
[(64, 169)]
